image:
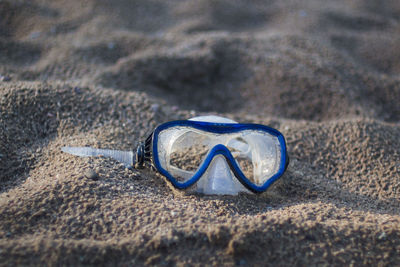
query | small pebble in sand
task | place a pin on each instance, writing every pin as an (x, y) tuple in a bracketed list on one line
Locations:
[(155, 107), (382, 236), (111, 45), (77, 90), (35, 35), (91, 174)]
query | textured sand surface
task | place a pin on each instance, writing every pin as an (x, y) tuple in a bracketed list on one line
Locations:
[(105, 73)]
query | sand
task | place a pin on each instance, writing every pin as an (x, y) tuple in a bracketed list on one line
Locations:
[(105, 73)]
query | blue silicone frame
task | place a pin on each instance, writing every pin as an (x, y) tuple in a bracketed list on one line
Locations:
[(220, 150)]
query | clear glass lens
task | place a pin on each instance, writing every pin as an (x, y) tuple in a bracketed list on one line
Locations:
[(257, 153), (188, 158), (187, 153), (182, 151)]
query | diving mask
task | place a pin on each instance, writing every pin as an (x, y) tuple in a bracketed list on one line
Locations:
[(210, 155)]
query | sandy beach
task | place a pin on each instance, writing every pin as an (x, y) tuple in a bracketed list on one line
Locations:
[(105, 73)]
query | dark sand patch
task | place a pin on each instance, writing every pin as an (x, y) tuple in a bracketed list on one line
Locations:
[(205, 74)]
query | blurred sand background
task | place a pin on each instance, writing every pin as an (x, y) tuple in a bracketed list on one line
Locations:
[(105, 73)]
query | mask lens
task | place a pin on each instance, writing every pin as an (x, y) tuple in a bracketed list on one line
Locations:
[(188, 151), (185, 150), (182, 151), (257, 154), (240, 151)]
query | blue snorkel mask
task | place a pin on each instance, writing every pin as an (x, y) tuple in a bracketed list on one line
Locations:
[(210, 155)]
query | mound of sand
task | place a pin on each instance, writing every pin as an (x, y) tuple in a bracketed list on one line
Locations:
[(105, 73)]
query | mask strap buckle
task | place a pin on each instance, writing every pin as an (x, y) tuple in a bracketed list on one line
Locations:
[(144, 153), (140, 157)]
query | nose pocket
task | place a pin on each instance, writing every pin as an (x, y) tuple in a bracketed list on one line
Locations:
[(219, 180)]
